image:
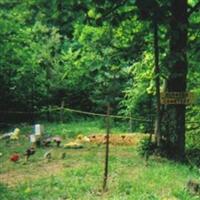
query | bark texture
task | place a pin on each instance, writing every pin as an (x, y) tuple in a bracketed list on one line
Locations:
[(176, 82)]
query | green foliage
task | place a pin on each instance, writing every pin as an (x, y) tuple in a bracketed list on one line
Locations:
[(146, 147), (26, 58), (192, 127), (90, 53), (193, 156)]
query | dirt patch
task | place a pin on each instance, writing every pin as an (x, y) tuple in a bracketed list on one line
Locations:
[(14, 177), (116, 139)]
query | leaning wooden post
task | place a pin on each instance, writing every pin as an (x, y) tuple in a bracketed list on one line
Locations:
[(62, 111), (48, 113), (130, 123), (107, 148)]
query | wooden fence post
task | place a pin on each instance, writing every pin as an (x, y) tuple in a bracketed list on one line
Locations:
[(62, 111), (130, 123), (107, 148)]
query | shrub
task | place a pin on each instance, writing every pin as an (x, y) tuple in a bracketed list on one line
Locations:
[(146, 147), (193, 156)]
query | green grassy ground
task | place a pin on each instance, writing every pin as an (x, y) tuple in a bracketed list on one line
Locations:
[(79, 176)]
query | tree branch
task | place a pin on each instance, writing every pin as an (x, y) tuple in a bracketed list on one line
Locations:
[(113, 9), (194, 8)]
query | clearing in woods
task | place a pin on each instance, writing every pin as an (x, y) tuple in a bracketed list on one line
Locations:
[(80, 174)]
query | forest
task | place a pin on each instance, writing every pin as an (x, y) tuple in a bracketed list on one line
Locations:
[(83, 67)]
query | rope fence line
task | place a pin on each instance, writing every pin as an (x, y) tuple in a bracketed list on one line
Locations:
[(76, 111), (26, 112), (86, 113), (104, 115)]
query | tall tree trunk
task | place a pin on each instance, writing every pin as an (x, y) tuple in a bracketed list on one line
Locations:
[(157, 81), (177, 77)]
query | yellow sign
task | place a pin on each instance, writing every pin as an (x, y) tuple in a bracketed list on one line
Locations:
[(177, 98)]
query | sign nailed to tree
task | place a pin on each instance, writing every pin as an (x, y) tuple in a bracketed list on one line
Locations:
[(177, 98)]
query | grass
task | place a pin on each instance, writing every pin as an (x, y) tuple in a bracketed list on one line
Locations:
[(79, 176), (72, 129)]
